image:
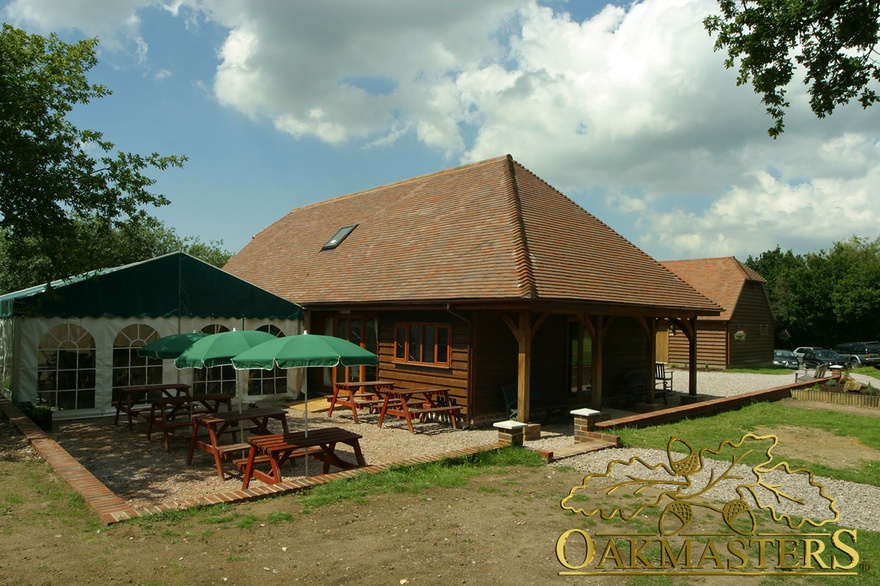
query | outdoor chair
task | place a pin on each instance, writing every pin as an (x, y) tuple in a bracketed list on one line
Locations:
[(820, 372), (541, 409), (662, 382), (636, 387), (509, 392)]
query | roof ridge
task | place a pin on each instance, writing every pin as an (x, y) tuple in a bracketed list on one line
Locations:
[(743, 268), (524, 270)]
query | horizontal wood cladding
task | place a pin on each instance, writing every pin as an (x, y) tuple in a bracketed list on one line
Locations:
[(753, 316), (496, 359), (454, 377), (711, 345), (626, 350), (495, 355)]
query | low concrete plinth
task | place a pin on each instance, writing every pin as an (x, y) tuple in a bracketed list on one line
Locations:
[(511, 432), (584, 422)]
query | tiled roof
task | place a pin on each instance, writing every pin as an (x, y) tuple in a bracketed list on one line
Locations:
[(720, 279), (486, 231)]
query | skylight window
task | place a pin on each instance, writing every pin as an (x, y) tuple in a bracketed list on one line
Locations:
[(340, 235)]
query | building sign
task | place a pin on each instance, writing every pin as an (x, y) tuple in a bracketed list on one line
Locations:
[(734, 510)]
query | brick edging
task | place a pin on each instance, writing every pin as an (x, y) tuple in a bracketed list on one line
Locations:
[(707, 407), (109, 507)]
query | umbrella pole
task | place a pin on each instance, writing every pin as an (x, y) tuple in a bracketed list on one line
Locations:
[(306, 405)]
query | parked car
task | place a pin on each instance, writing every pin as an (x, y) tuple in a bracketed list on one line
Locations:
[(814, 358), (801, 350), (785, 359), (860, 353)]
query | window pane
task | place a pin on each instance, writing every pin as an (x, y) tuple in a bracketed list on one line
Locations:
[(415, 343), (355, 335), (400, 342), (443, 345), (430, 343)]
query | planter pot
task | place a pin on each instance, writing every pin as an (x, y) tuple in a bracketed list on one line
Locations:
[(43, 420), (44, 423)]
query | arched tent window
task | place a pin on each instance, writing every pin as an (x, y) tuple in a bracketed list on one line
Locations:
[(66, 368), (268, 382), (216, 379), (130, 368)]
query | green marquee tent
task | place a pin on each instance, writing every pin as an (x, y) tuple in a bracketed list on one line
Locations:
[(68, 343), (173, 285)]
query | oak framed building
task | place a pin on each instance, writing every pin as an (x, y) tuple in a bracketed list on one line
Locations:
[(742, 335), (474, 278)]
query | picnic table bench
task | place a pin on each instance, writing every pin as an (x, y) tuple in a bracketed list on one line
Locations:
[(209, 429), (276, 449), (356, 395), (134, 400), (418, 402), (171, 413)]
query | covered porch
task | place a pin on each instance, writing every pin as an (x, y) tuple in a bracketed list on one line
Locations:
[(572, 358)]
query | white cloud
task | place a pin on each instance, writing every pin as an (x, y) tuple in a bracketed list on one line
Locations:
[(804, 215), (631, 102), (355, 71), (114, 23)]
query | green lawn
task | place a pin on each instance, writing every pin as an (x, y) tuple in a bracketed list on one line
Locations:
[(710, 431)]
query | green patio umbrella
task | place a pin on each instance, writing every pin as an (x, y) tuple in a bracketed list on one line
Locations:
[(218, 349), (304, 351), (170, 346)]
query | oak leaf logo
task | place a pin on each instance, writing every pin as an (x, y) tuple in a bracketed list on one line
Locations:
[(693, 480)]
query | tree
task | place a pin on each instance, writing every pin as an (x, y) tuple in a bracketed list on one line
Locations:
[(825, 297), (48, 179), (833, 40), (99, 245)]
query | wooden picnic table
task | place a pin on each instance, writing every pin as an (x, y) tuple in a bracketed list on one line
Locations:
[(134, 400), (171, 413), (356, 395), (209, 429), (418, 402), (276, 449)]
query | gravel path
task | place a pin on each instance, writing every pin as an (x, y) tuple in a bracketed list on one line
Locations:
[(859, 504)]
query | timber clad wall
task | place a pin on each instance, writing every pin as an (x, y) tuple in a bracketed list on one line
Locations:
[(711, 345), (495, 361), (626, 350), (496, 357), (454, 378), (716, 346), (752, 315)]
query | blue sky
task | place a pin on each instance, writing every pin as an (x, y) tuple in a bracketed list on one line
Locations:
[(626, 109)]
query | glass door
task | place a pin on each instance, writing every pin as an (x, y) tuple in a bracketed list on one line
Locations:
[(362, 331)]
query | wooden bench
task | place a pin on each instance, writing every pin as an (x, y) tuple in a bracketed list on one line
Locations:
[(209, 428), (820, 372), (369, 400), (173, 413), (266, 459), (276, 449), (452, 410), (135, 400), (356, 395)]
